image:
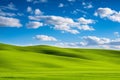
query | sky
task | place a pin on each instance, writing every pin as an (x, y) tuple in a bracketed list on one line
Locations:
[(64, 23)]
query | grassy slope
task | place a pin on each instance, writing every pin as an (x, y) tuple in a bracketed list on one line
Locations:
[(53, 63)]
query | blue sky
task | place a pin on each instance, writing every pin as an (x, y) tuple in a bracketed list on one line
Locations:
[(67, 23)]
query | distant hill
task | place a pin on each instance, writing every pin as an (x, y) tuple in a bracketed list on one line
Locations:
[(30, 61)]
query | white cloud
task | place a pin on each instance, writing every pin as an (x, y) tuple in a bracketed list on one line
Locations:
[(109, 14), (61, 5), (94, 42), (29, 9), (38, 12), (61, 23), (6, 19), (87, 5), (84, 24), (71, 44), (86, 27), (104, 12), (20, 14), (65, 24), (115, 42), (45, 38), (34, 25), (9, 22), (117, 34), (10, 14), (6, 13), (86, 21), (35, 12), (116, 47), (77, 11), (10, 6)]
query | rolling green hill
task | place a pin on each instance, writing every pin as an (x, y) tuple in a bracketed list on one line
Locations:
[(54, 63)]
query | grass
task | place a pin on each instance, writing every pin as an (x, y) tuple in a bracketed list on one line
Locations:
[(53, 63)]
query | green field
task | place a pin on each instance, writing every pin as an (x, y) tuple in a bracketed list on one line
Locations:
[(53, 63)]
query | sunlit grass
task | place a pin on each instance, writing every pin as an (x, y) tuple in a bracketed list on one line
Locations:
[(53, 63)]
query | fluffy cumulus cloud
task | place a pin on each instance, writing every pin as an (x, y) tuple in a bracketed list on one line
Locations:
[(35, 12), (7, 19), (64, 23), (45, 38), (61, 5), (86, 28), (9, 22), (108, 13), (34, 24), (29, 9), (87, 5), (102, 42), (38, 12), (94, 42), (86, 21)]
